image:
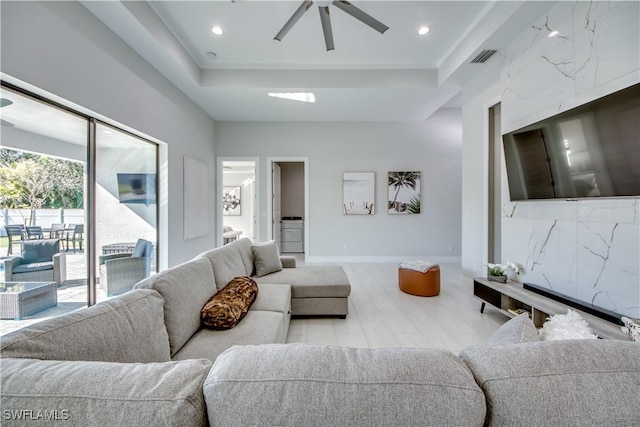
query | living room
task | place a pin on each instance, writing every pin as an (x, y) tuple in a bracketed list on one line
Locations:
[(74, 58)]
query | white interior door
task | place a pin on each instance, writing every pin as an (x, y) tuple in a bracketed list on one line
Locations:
[(277, 203)]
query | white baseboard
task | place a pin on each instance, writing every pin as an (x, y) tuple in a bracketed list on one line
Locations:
[(381, 259)]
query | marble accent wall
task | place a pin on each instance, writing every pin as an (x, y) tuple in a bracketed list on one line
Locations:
[(588, 249)]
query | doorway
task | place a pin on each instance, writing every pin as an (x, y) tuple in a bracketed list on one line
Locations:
[(288, 204), (238, 201)]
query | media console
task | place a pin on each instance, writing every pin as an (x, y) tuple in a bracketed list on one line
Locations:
[(510, 297)]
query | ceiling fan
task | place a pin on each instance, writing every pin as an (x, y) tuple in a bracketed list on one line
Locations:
[(323, 7)]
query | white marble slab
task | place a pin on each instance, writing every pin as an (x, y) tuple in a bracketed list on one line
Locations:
[(596, 52), (588, 249)]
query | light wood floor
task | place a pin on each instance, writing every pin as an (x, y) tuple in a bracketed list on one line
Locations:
[(380, 315)]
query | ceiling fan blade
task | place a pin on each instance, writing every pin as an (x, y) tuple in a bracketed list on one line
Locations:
[(326, 27), (361, 16), (294, 18), (5, 102)]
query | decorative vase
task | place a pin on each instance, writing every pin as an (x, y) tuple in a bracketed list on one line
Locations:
[(501, 279)]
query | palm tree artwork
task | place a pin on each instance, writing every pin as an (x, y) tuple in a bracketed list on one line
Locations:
[(404, 192)]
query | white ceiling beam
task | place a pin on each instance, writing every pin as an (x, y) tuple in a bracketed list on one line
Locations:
[(320, 78)]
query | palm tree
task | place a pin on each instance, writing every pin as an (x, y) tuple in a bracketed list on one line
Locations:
[(402, 179)]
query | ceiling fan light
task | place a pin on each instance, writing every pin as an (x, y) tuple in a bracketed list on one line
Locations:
[(323, 3), (553, 33), (423, 30), (217, 30), (294, 96)]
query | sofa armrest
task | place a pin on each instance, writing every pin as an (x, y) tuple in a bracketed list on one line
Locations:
[(9, 264), (103, 258), (60, 268), (168, 393), (288, 261)]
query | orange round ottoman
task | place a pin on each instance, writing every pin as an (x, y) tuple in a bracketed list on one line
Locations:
[(415, 282)]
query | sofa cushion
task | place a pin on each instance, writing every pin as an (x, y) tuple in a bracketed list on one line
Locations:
[(577, 382), (128, 328), (275, 298), (244, 248), (39, 250), (301, 385), (84, 393), (33, 266), (257, 327), (185, 289), (226, 262), (312, 281), (266, 258), (226, 308), (517, 330)]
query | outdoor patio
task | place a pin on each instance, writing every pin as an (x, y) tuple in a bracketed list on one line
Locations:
[(72, 295)]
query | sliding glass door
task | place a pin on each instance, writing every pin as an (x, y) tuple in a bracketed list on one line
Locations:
[(91, 186), (126, 217), (43, 184)]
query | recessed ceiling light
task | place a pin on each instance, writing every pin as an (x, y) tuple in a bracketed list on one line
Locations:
[(423, 30), (294, 96), (217, 30), (553, 33)]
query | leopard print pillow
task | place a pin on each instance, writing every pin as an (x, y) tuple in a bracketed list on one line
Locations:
[(226, 308)]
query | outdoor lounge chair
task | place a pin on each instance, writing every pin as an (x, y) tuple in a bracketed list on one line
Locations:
[(120, 271), (41, 261)]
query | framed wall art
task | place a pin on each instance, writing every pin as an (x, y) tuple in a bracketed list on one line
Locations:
[(231, 201), (404, 192), (358, 193)]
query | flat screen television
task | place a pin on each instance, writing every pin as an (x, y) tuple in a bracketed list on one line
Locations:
[(137, 188), (592, 150)]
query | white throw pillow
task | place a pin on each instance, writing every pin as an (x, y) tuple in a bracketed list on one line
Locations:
[(266, 258), (570, 326)]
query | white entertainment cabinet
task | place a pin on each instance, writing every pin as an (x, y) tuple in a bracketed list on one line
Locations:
[(513, 296)]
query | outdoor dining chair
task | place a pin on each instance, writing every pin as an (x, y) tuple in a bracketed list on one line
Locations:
[(34, 232), (75, 234), (56, 231), (15, 235)]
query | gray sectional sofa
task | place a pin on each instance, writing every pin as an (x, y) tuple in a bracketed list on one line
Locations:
[(141, 358), (315, 289)]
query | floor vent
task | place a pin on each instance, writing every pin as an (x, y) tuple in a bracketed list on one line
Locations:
[(483, 56)]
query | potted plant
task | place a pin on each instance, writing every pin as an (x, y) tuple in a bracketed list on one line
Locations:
[(497, 272)]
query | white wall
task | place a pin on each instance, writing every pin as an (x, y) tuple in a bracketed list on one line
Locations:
[(61, 48), (587, 249), (433, 147)]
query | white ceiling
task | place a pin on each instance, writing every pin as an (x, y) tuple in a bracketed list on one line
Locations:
[(395, 76)]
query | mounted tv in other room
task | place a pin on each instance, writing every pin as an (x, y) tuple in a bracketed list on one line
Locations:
[(137, 188), (589, 151)]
